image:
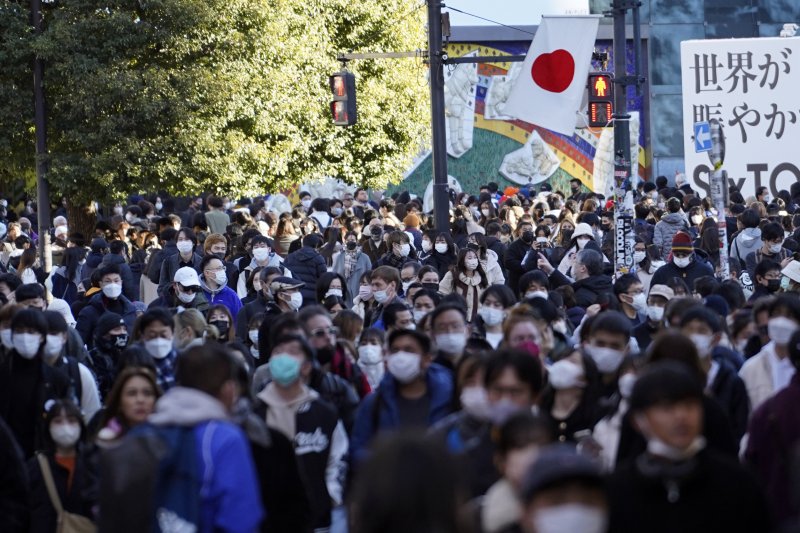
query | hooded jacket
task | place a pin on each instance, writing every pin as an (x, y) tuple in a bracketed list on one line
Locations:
[(746, 242), (307, 265), (222, 295), (379, 411), (230, 496), (665, 230)]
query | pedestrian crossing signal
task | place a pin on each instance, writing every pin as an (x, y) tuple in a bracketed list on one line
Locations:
[(343, 106), (601, 99)]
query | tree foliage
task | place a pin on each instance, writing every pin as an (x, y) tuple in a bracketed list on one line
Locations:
[(229, 96)]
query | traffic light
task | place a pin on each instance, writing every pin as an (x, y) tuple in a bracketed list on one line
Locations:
[(601, 99), (343, 107)]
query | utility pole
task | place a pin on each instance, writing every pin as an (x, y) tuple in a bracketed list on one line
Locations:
[(40, 123), (441, 202), (624, 178)]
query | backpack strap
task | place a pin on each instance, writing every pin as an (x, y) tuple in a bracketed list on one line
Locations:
[(47, 474)]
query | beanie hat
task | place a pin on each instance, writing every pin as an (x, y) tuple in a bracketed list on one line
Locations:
[(682, 242), (411, 220), (106, 323)]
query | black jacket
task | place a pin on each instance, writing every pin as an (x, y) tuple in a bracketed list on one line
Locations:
[(696, 269), (592, 290), (729, 390), (153, 268), (14, 484), (170, 301), (513, 262), (710, 492), (307, 265), (97, 305), (441, 262), (337, 392), (77, 500)]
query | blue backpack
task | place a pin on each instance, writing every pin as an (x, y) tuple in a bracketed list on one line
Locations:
[(149, 482)]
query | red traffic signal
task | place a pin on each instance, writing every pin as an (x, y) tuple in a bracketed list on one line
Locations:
[(601, 99), (343, 106)]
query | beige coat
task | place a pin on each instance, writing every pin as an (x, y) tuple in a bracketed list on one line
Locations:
[(757, 376)]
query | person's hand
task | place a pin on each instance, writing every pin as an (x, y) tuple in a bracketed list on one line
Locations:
[(544, 265), (593, 309), (786, 261)]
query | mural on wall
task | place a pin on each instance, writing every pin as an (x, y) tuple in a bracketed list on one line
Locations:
[(495, 147)]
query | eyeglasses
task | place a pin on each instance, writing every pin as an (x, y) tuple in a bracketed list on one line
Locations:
[(323, 332)]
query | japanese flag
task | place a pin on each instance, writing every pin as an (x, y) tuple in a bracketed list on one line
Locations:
[(549, 88)]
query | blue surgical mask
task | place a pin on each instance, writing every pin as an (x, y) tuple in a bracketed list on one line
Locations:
[(284, 368)]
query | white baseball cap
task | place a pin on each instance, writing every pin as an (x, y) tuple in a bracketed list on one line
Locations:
[(187, 277)]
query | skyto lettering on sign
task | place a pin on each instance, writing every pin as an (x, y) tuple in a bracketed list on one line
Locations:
[(750, 86)]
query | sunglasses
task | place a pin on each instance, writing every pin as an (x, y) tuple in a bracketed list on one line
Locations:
[(322, 332), (193, 289)]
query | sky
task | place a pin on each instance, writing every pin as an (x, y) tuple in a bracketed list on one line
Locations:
[(512, 12)]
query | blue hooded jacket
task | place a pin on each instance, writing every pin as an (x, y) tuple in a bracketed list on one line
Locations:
[(440, 390)]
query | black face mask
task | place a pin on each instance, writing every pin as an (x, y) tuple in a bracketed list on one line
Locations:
[(351, 245), (605, 227), (222, 326), (773, 285), (220, 256), (527, 237), (431, 286), (567, 234), (114, 344)]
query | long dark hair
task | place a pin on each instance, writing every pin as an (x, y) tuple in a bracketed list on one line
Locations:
[(459, 266), (72, 258)]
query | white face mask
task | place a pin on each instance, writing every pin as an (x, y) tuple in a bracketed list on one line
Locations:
[(404, 366), (780, 329), (65, 435), (475, 402), (27, 344), (471, 264), (406, 285), (682, 262), (370, 354), (702, 343), (639, 302), (565, 374), (112, 290), (336, 211), (185, 297), (638, 257), (260, 254), (606, 359), (404, 249), (5, 338), (253, 336), (582, 242), (542, 240), (491, 315), (441, 247), (570, 517), (53, 346), (625, 384), (334, 292), (452, 343), (365, 292), (426, 246), (221, 277), (159, 206), (185, 247), (380, 296), (485, 212), (306, 203), (654, 313), (295, 300), (775, 248), (536, 294), (158, 348), (418, 314)]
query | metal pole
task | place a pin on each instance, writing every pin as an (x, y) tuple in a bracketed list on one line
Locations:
[(623, 190), (719, 188), (441, 202), (40, 123)]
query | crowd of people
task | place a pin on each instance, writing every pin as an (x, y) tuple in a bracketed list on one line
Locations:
[(208, 364)]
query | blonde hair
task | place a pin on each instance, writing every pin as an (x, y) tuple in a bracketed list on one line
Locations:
[(194, 320)]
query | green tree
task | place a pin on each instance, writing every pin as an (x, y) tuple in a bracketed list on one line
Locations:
[(208, 95)]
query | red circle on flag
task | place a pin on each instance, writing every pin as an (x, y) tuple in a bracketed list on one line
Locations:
[(554, 72)]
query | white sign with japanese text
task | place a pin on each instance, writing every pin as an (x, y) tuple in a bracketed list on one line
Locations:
[(751, 87)]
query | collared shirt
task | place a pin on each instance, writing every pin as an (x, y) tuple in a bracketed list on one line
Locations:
[(782, 370)]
